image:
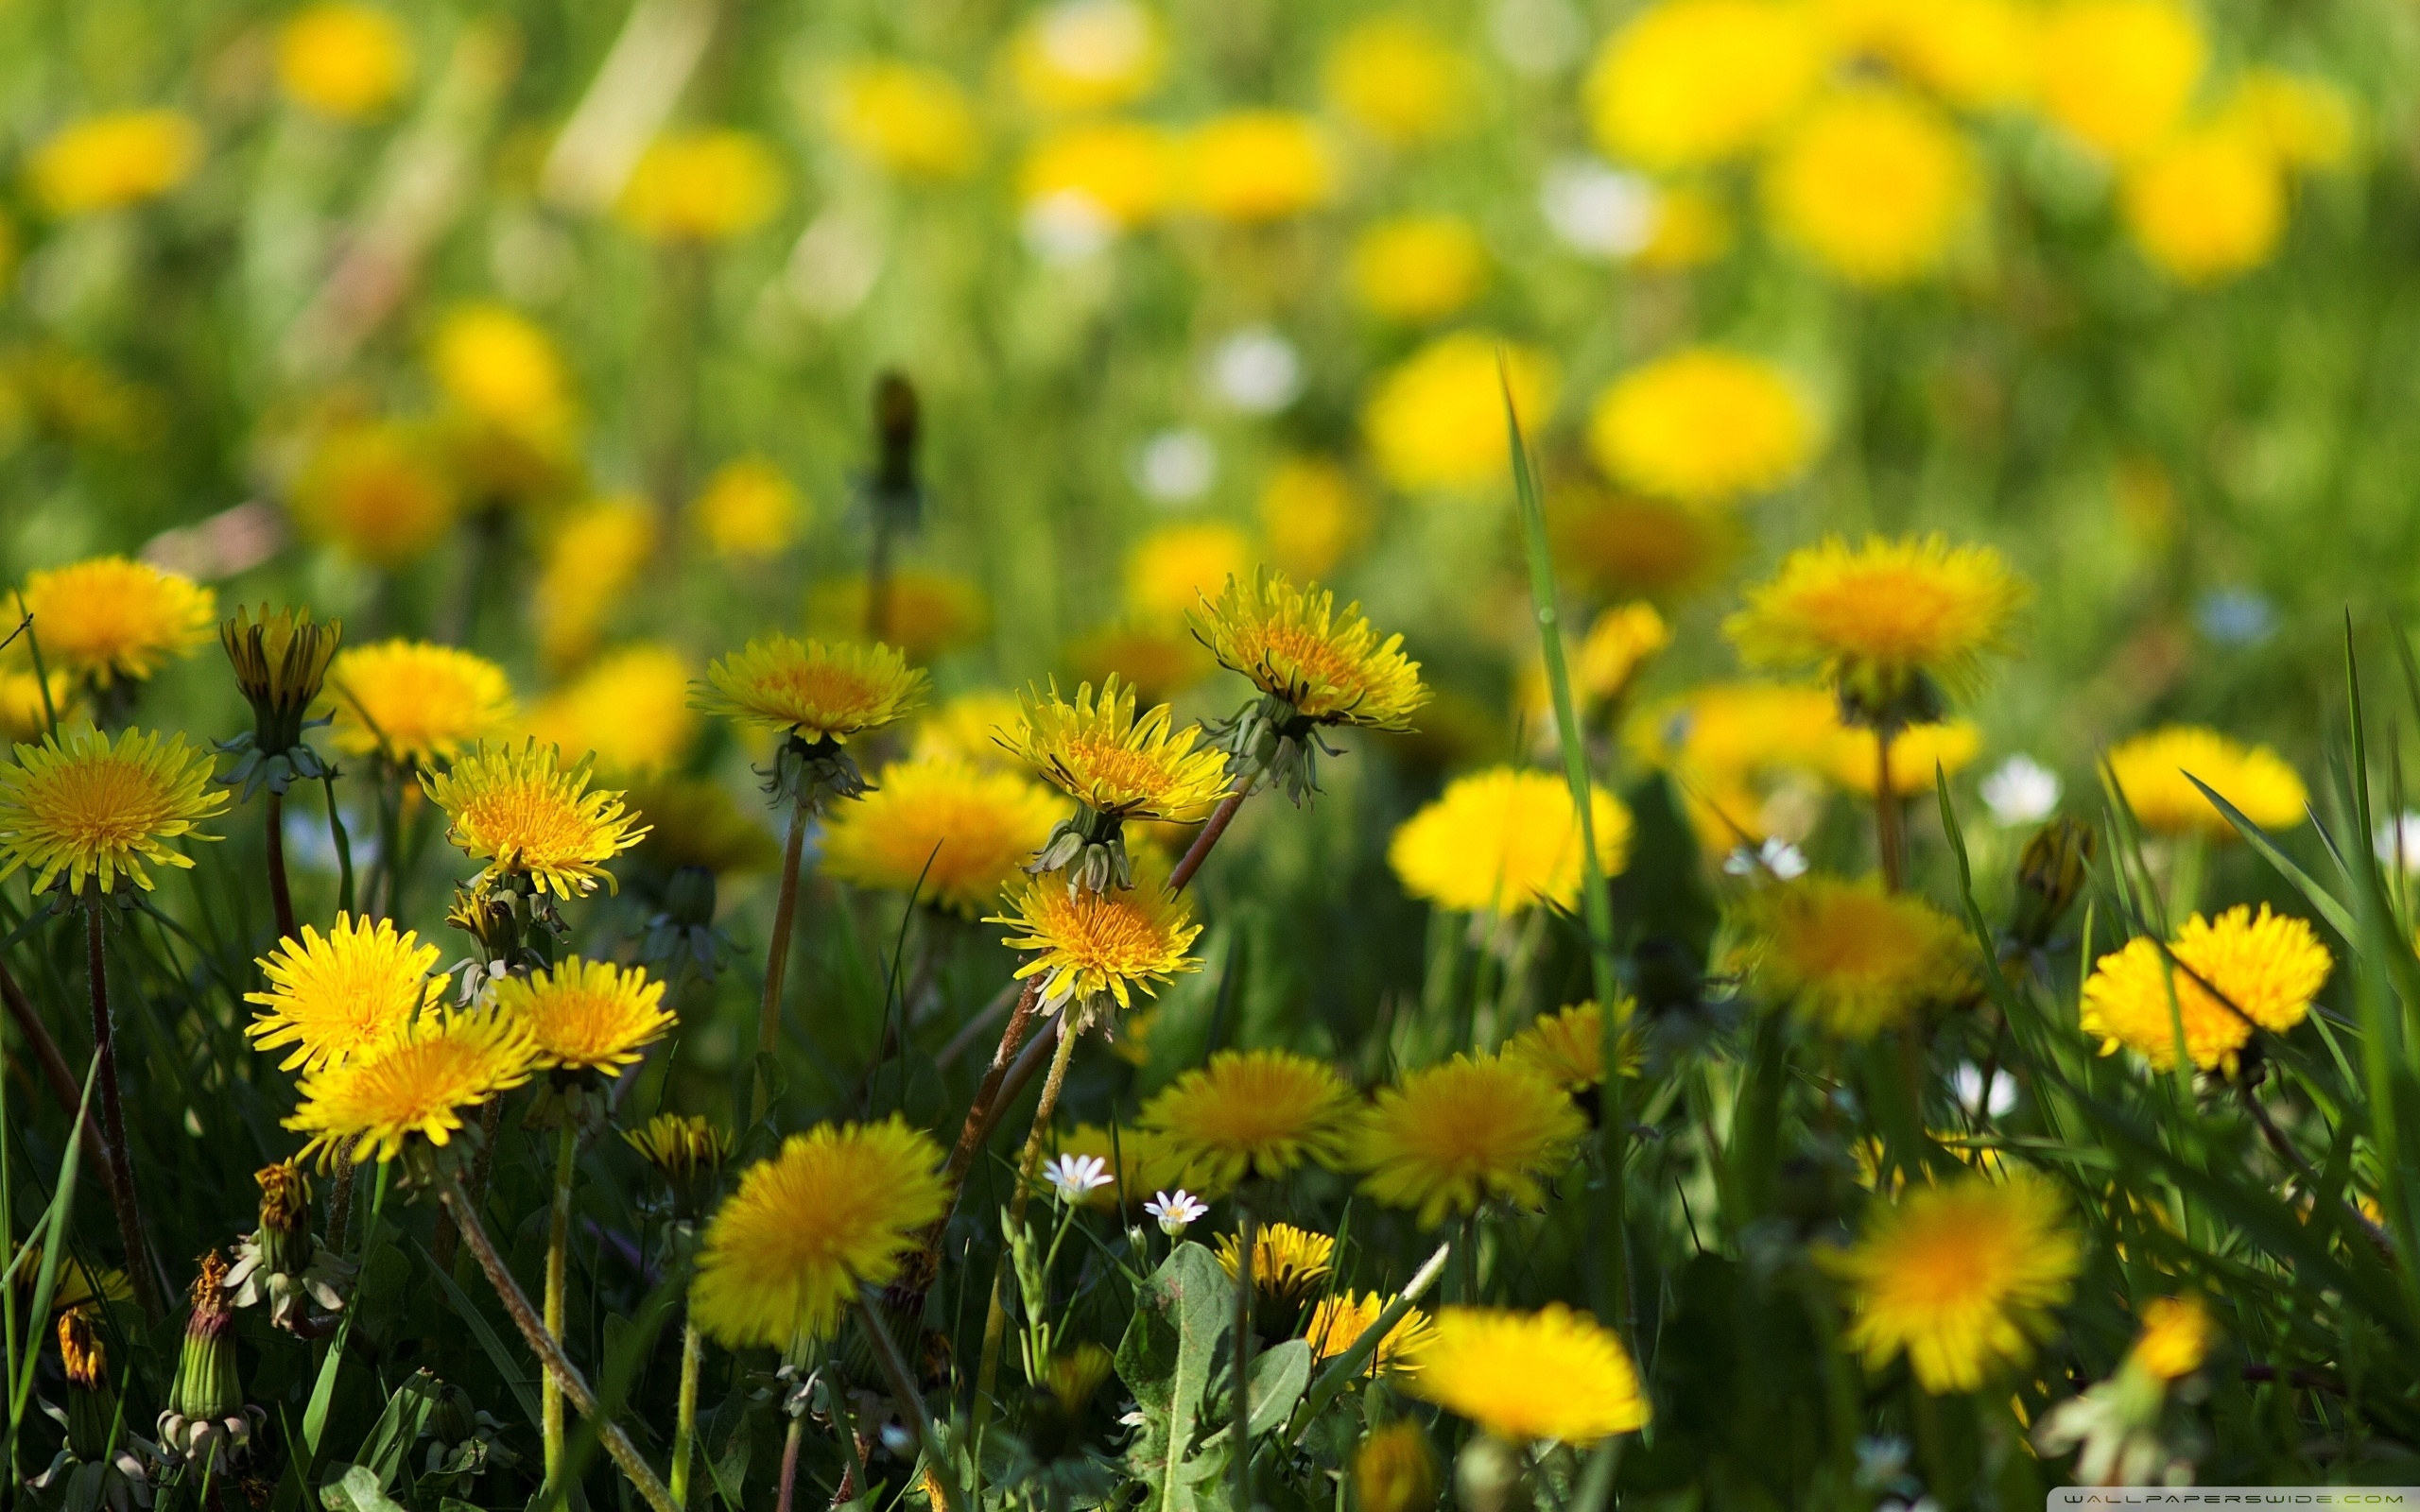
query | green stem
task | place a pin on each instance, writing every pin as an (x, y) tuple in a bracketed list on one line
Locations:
[(777, 960), (1240, 1436), (550, 1400), (684, 1420), (1887, 822), (995, 1320), (280, 895), (139, 1264)]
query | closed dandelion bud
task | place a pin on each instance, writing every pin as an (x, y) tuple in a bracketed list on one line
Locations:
[(896, 425), (285, 1216), (92, 1401), (688, 1153), (689, 899), (1396, 1471), (1488, 1478), (281, 662), (2050, 872)]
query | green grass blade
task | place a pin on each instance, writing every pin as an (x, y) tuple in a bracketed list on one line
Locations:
[(62, 1201), (506, 1366), (2339, 918)]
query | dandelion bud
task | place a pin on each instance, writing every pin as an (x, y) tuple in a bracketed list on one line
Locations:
[(2049, 874), (207, 1420), (1396, 1471), (896, 423), (688, 1153), (280, 661), (91, 1402)]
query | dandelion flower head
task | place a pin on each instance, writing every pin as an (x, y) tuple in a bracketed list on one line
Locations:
[(2156, 773), (93, 808), (1852, 959), (2118, 74), (2208, 204), (1503, 840), (416, 701), (2176, 1337), (419, 1083), (1287, 1261), (1552, 1375), (1090, 946), (498, 366), (1097, 752), (2230, 975), (343, 996), (1418, 268), (629, 709), (1339, 1322), (1701, 425), (520, 811), (814, 690), (702, 186), (952, 833), (104, 162), (1874, 184), (1396, 79), (1329, 665), (1175, 567), (748, 510), (1436, 420), (1253, 1111), (344, 61), (586, 1015), (910, 121), (1447, 1138), (1087, 55), (1916, 750), (375, 491), (1685, 83), (111, 617), (1254, 166)]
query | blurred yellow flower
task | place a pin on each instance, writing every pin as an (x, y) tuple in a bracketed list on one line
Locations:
[(1311, 515), (952, 833), (629, 709), (907, 120), (1396, 79), (2308, 122), (1550, 1375), (2230, 975), (1257, 165), (415, 701), (1087, 55), (1622, 640), (1418, 268), (1722, 733), (365, 1108), (1688, 228), (1477, 1129), (1436, 420), (1568, 1047), (2208, 204), (500, 366), (2176, 1337), (2118, 74), (702, 186), (23, 715), (1158, 659), (1852, 959), (1337, 1324), (1689, 82), (591, 560), (343, 59), (1252, 1112), (1874, 184), (518, 809), (1701, 425), (2155, 772), (1502, 840), (1123, 172), (584, 1015), (1975, 53), (926, 614), (108, 618), (1174, 568), (104, 162), (748, 509), (1915, 750), (80, 805), (969, 729), (1616, 545), (374, 491), (698, 823)]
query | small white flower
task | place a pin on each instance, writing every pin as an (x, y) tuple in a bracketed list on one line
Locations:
[(1968, 1081), (1777, 857), (1176, 1209), (1598, 210), (1068, 227), (1076, 1174), (1175, 466), (1257, 370), (2021, 791), (2398, 841), (1536, 37)]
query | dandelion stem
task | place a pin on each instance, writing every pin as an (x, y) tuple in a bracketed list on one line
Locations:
[(340, 1201), (903, 1387), (1887, 838), (1198, 851), (129, 1213), (684, 1420), (550, 1403), (995, 1320), (790, 1461), (1246, 1237), (281, 896), (777, 960)]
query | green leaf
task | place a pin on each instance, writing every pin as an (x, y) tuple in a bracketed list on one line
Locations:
[(506, 1366), (357, 1491), (1182, 1322), (398, 1428), (2339, 918), (62, 1201)]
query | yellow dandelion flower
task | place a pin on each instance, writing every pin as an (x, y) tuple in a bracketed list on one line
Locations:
[(586, 1015), (1394, 1469), (1883, 620), (1975, 53), (1686, 227), (814, 690), (2154, 772), (1502, 840), (1156, 660), (702, 186), (1418, 268), (524, 816), (1339, 1322), (1396, 79), (105, 161), (1874, 184), (1621, 547), (1960, 1278), (499, 366), (1436, 420), (698, 824), (968, 729), (926, 614), (1568, 1047), (629, 709), (82, 806), (1099, 754), (1250, 167), (953, 833), (109, 617), (2208, 204), (2306, 121), (2176, 1337), (415, 701), (25, 716), (1447, 1138), (1915, 750), (374, 491), (343, 60), (344, 995), (1287, 1262), (1311, 515), (2231, 973), (1087, 55), (1726, 741), (1175, 567), (1119, 173), (1689, 82), (1108, 944), (1701, 425), (748, 510), (906, 120), (835, 1211), (592, 559), (1602, 668), (1327, 665), (1257, 1110), (421, 1083), (1141, 1163), (1852, 959), (1553, 1374), (2118, 74)]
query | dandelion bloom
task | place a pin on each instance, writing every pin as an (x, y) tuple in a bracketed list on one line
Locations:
[(1287, 1261), (1883, 622), (748, 510), (1447, 1138), (910, 121), (1975, 53), (1619, 643), (28, 704), (1115, 174), (1086, 55), (519, 811), (591, 560), (1568, 1047), (105, 161), (702, 186), (1394, 1469), (498, 366), (343, 60), (952, 833), (2308, 122), (1503, 840), (376, 492), (1916, 750), (1108, 943), (926, 614), (1256, 1110), (1436, 420), (813, 689), (415, 701), (1339, 1322), (2118, 74), (2175, 1339), (1418, 268), (1727, 742), (1553, 1374), (2208, 205), (1250, 167), (967, 728), (1396, 79), (1156, 659), (1328, 666), (1175, 567), (344, 995), (1960, 1278), (1619, 546), (586, 1015), (109, 617), (629, 709), (419, 1083), (82, 805), (1701, 425), (2231, 974), (1684, 83), (2155, 774), (1874, 184), (1311, 515), (834, 1211), (1099, 754), (1852, 958)]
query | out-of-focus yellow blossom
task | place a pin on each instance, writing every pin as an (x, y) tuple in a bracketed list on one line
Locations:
[(375, 492), (1701, 424), (1622, 547), (1689, 229), (702, 186), (1504, 840), (108, 618), (2176, 1337), (2118, 74), (591, 560), (500, 366), (629, 709), (951, 833), (1689, 82), (104, 162), (968, 729), (1397, 79), (1123, 170), (2227, 976), (2208, 204), (415, 703), (1874, 184), (1419, 267), (1552, 1374), (1171, 570), (24, 718), (1975, 53), (926, 614), (1732, 745), (2308, 122), (1159, 659), (907, 120), (1257, 165), (1915, 750), (1852, 959), (1436, 420), (749, 510), (1623, 639), (2156, 773), (1311, 515), (698, 823), (343, 59), (1087, 55)]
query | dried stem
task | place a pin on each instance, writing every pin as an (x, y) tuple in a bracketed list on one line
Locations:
[(129, 1212), (1198, 851), (777, 960)]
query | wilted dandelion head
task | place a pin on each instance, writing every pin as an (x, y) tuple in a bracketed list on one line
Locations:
[(376, 492), (1874, 184), (1852, 959), (814, 690), (2208, 204), (1436, 420), (1960, 1278), (907, 120), (1447, 1138), (1394, 77), (953, 833), (586, 1015), (1252, 167), (1339, 1321), (343, 60), (520, 811), (422, 1082), (1701, 425), (1550, 1375), (1287, 1261), (1096, 947), (105, 161), (702, 186), (109, 617), (835, 1211), (629, 709), (2229, 975), (415, 701), (1100, 753), (89, 809), (1504, 840), (2155, 774), (2118, 74), (342, 996), (1394, 1469), (1255, 1111), (1684, 83)]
